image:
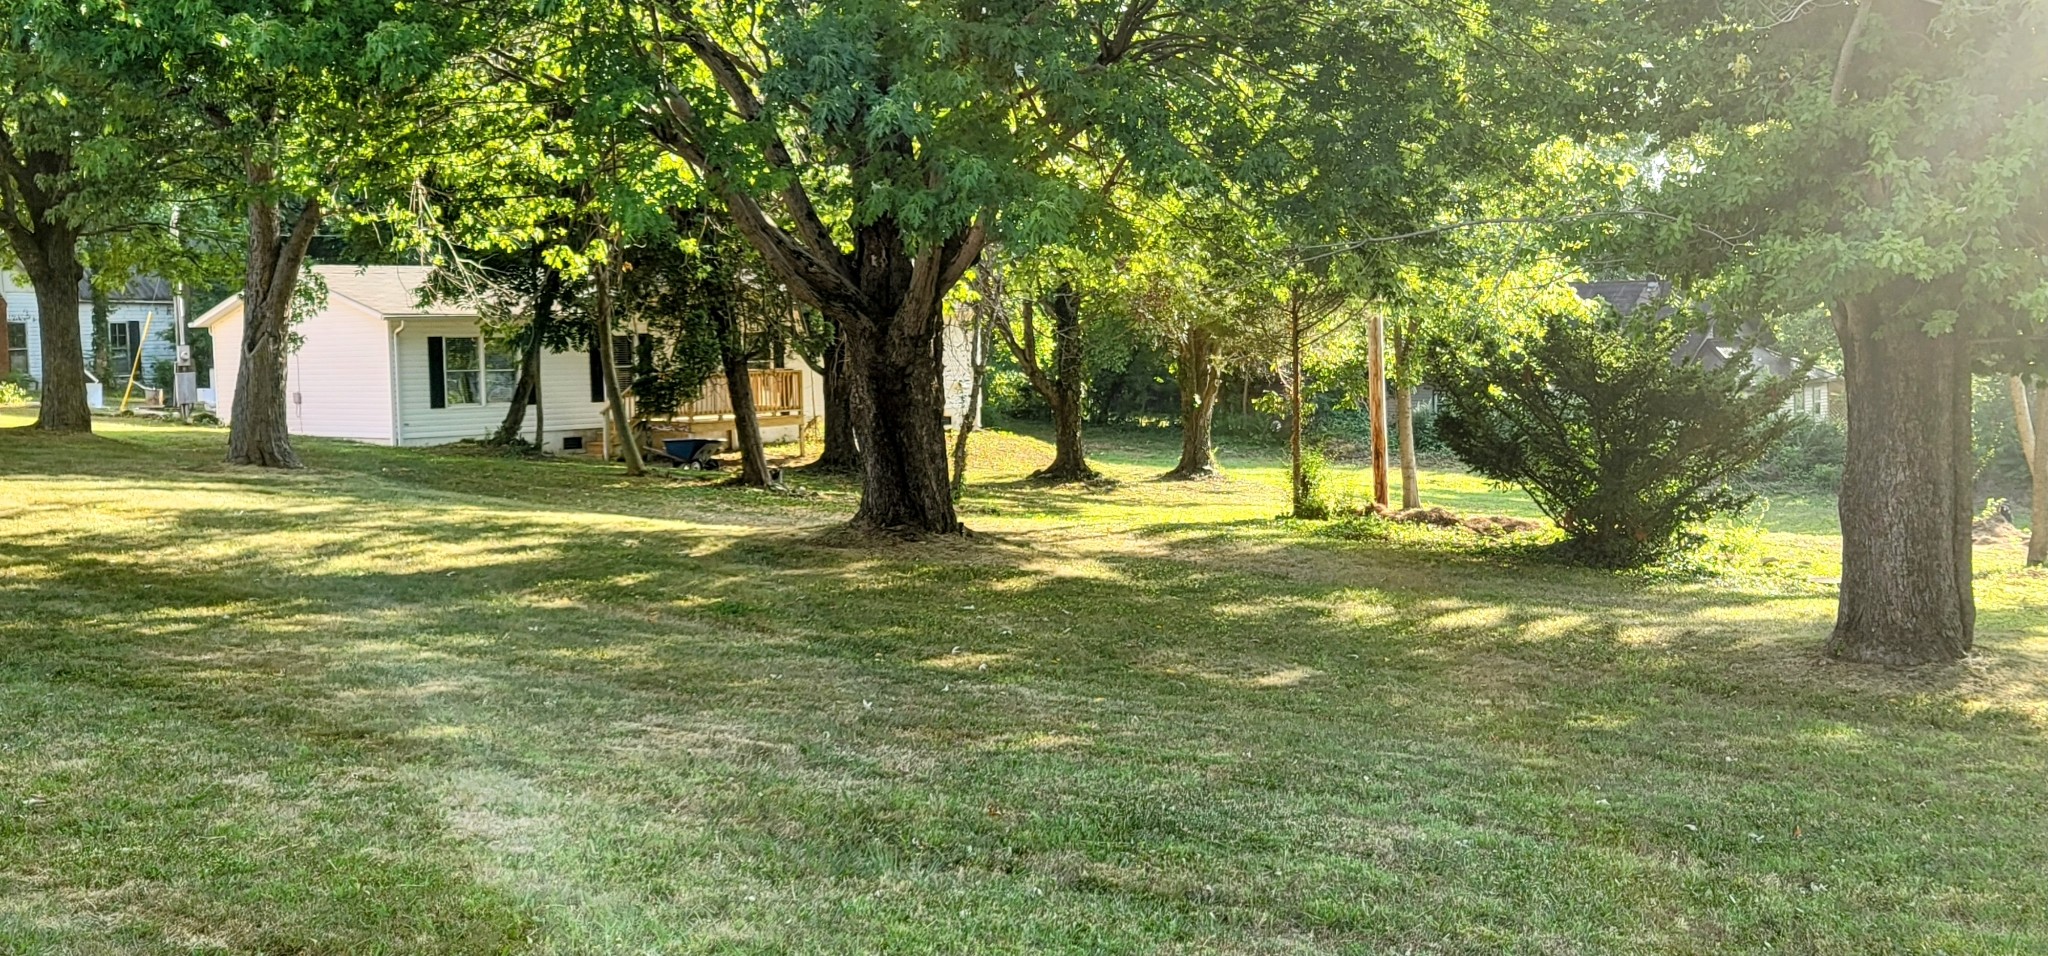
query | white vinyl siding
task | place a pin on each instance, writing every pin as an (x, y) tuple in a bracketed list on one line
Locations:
[(21, 308), (227, 352), (956, 352), (565, 387), (338, 381)]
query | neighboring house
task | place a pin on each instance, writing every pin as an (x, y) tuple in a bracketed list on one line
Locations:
[(137, 319), (374, 365), (1821, 396)]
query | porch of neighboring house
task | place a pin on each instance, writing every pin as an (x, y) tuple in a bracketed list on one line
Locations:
[(786, 400)]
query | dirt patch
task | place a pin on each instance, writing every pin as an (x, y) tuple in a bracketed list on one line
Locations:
[(1995, 526), (1440, 517)]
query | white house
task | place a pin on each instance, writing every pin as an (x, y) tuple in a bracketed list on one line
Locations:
[(374, 365), (138, 318), (1820, 394)]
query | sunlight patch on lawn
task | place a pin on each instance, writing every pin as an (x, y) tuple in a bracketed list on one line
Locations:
[(1038, 741), (1247, 676), (1285, 677), (966, 661)]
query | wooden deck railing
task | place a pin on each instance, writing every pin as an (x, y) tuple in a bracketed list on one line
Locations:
[(778, 393)]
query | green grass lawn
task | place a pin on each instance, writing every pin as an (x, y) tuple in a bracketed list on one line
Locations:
[(441, 703)]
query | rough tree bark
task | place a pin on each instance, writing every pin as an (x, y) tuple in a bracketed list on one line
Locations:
[(842, 448), (1906, 493), (1063, 387), (886, 297), (739, 389), (257, 432), (2030, 416), (1411, 471), (899, 413), (53, 269), (885, 294), (45, 244), (1198, 372), (1069, 380), (527, 392)]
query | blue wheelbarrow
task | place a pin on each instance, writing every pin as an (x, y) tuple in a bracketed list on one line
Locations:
[(698, 453)]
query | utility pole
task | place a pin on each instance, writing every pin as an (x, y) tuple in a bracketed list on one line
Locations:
[(185, 380)]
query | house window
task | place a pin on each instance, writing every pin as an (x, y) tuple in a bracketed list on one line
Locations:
[(473, 373), (123, 339), (501, 374), (462, 371), (17, 347)]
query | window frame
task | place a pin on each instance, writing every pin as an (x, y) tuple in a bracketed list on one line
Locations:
[(123, 341), (509, 371), (489, 361), (17, 346), (474, 392)]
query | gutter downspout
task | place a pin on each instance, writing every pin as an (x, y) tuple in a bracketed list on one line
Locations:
[(397, 389)]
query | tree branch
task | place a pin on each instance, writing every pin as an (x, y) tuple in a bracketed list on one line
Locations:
[(1848, 55)]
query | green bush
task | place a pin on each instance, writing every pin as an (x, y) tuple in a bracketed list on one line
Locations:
[(1315, 486), (1810, 455), (1616, 444), (18, 389)]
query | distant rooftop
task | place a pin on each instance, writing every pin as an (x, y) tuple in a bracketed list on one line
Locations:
[(390, 290), (1709, 348), (139, 289)]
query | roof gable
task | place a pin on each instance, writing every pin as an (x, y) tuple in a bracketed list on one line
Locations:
[(388, 291)]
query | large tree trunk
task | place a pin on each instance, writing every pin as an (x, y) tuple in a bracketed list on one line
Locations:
[(1906, 493), (527, 392), (1065, 389), (54, 270), (899, 412), (887, 296), (842, 448), (1411, 472), (46, 247), (257, 432), (1199, 374), (895, 380)]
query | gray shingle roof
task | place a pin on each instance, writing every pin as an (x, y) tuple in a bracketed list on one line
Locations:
[(139, 289), (1709, 348), (390, 290), (1624, 295)]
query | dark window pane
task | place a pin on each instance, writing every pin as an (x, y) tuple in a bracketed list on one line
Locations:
[(499, 359), (462, 355), (499, 384)]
